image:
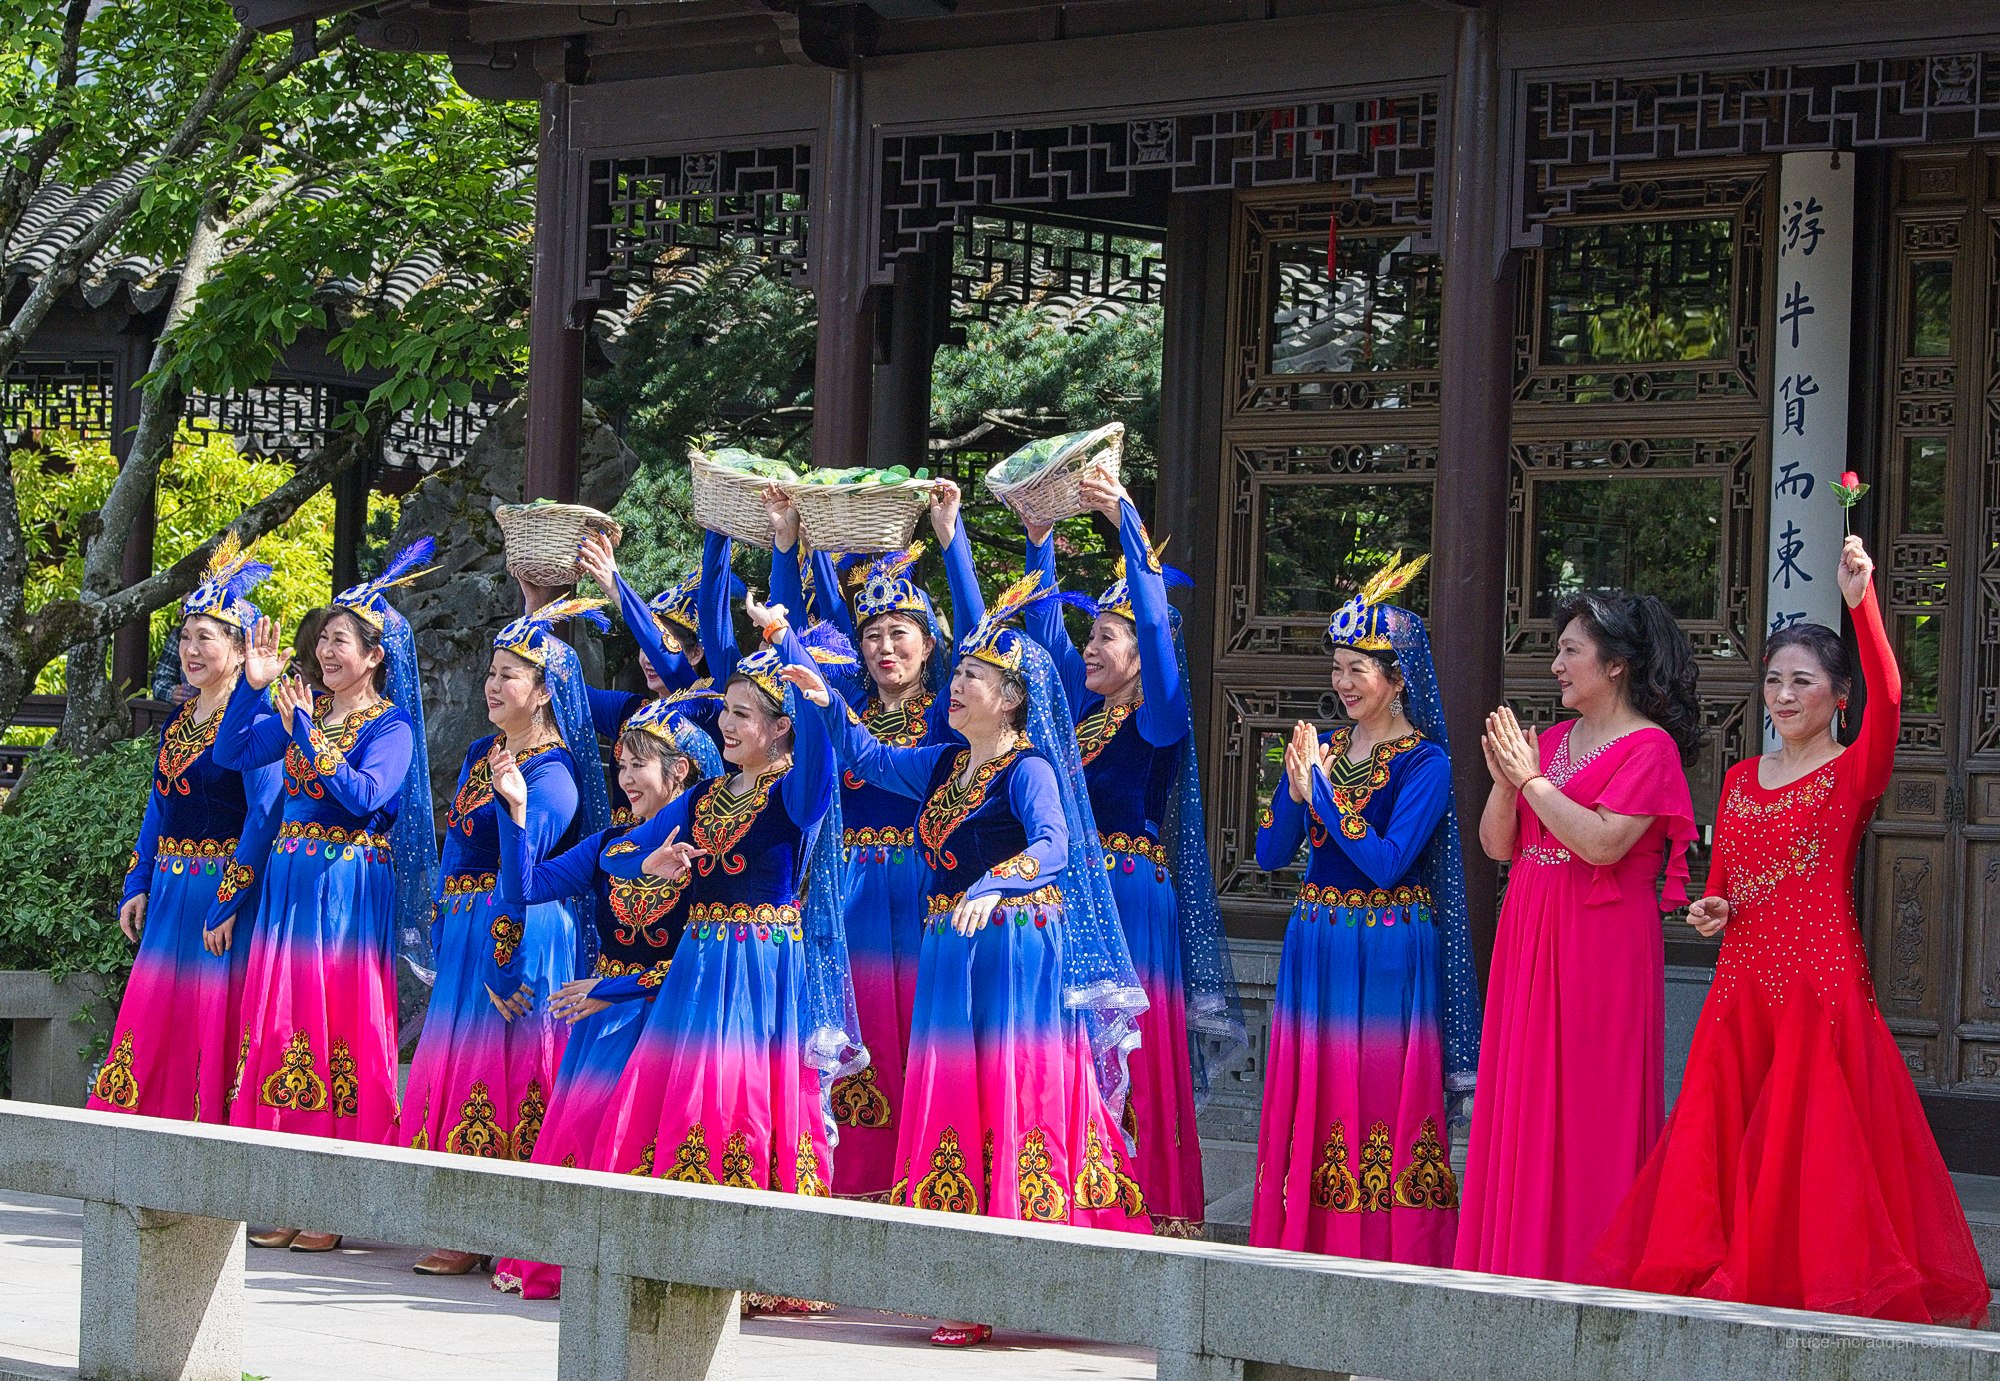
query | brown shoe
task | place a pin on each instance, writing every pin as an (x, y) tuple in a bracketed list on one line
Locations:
[(316, 1242), (276, 1238), (450, 1263)]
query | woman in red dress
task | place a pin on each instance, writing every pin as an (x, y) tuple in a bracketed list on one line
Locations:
[(1797, 1169)]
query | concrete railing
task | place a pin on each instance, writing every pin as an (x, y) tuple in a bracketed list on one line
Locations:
[(654, 1267), (47, 1064)]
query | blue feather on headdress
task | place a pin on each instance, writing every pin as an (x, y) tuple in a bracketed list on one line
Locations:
[(403, 565)]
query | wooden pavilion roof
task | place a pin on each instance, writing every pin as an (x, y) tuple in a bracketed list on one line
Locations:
[(508, 48)]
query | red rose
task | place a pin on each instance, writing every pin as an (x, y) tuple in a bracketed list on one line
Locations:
[(1849, 480)]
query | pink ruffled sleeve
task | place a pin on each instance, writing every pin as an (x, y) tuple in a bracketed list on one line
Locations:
[(1646, 779)]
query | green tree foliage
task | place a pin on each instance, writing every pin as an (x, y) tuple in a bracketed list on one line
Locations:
[(280, 174), (722, 355), (65, 840)]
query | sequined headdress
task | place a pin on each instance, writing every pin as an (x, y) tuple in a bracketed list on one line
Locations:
[(1363, 622), (992, 640), (826, 644), (369, 600), (665, 718), (887, 589), (1118, 599), (675, 611), (225, 584), (529, 636)]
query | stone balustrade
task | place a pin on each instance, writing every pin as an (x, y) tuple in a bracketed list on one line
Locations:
[(653, 1271), (47, 1063)]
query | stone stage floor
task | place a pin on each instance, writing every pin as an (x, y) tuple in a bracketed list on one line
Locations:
[(361, 1313)]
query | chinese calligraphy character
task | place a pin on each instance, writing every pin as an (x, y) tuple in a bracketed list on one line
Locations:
[(1803, 230), (1799, 485), (1790, 543), (1795, 389), (1798, 304), (1781, 621)]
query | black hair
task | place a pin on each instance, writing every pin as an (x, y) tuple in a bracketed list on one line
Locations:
[(645, 743), (1660, 675), (1825, 647), (370, 635)]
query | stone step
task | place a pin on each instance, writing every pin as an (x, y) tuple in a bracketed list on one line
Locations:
[(1981, 1196)]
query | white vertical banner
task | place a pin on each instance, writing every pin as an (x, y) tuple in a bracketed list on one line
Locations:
[(1809, 347)]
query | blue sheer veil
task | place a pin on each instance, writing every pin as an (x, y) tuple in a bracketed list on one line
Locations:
[(1217, 1035), (1099, 982), (1443, 864), (569, 698), (413, 839), (830, 1022)]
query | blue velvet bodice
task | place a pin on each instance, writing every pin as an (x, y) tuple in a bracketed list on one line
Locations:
[(1368, 830), (1131, 780)]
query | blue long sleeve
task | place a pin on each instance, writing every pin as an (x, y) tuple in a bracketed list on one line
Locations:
[(905, 771), (673, 668), (264, 797), (968, 605), (718, 631), (1422, 795), (532, 879), (373, 777), (1044, 623), (808, 788), (788, 583), (1037, 804), (1279, 837), (139, 875), (609, 709), (1163, 710), (552, 801), (827, 601), (251, 734)]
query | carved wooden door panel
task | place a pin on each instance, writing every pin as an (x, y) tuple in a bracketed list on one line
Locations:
[(1933, 885)]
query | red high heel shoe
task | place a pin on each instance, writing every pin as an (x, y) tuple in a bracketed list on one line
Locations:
[(961, 1335)]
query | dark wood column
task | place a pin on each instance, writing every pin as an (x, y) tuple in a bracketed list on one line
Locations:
[(1194, 339), (555, 325), (1469, 527), (131, 646), (842, 254), (350, 509), (901, 406)]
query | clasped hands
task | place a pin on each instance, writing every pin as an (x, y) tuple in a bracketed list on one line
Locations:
[(1511, 756)]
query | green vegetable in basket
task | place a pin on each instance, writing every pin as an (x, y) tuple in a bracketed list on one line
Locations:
[(751, 464), (1032, 457)]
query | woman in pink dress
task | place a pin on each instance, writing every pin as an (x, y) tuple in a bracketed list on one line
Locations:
[(1571, 1079)]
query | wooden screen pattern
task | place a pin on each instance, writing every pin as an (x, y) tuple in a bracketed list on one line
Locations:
[(1684, 198), (281, 418), (1346, 432), (1074, 276), (1247, 714), (1255, 468), (51, 394), (1380, 153), (1586, 413), (1580, 135), (1726, 638), (1268, 229), (751, 198)]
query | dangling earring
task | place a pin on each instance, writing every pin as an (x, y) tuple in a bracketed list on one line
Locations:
[(1840, 717), (1396, 707)]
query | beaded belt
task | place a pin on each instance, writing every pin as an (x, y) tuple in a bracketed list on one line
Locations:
[(1373, 900), (463, 890), (941, 906), (719, 919), (192, 855), (314, 834), (1133, 845), (856, 843), (1541, 853), (650, 975)]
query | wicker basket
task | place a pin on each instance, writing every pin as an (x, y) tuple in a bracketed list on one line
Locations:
[(542, 539), (729, 501), (861, 517), (1053, 492)]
